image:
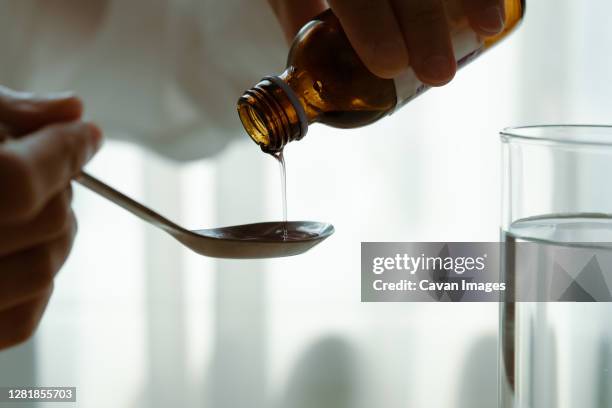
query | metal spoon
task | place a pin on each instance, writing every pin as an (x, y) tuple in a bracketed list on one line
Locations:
[(262, 240)]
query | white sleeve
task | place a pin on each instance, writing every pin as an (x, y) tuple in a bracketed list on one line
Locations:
[(164, 73)]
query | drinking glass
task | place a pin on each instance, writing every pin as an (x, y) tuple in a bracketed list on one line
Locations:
[(556, 346)]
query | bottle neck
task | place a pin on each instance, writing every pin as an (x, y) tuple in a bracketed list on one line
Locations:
[(272, 114)]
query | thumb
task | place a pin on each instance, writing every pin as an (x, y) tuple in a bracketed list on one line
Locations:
[(22, 113), (293, 14)]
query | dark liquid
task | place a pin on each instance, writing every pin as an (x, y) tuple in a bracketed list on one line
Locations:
[(283, 173), (271, 231)]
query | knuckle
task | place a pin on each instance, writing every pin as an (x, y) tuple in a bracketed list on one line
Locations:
[(23, 332), (59, 217), (24, 328), (17, 181), (76, 145), (17, 335), (77, 151), (62, 222), (13, 167), (45, 267), (47, 259), (63, 246), (23, 321)]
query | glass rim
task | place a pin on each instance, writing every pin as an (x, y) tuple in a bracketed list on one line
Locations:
[(546, 134)]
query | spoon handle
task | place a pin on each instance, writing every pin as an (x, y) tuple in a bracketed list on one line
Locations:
[(127, 203)]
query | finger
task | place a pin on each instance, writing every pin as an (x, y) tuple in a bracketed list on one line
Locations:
[(19, 323), (427, 36), (55, 220), (485, 16), (37, 167), (28, 274), (374, 33), (23, 113), (5, 133), (294, 14)]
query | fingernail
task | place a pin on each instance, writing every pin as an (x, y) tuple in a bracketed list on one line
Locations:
[(391, 59), (491, 20), (438, 70), (59, 95), (96, 134)]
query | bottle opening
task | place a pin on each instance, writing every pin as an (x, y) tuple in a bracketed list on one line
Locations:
[(254, 124), (272, 115)]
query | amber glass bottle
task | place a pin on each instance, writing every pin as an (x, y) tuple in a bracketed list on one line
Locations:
[(326, 82)]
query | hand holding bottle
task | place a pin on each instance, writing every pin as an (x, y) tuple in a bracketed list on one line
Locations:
[(390, 35), (361, 60), (48, 146)]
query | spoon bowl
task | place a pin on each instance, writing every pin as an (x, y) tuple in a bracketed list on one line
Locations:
[(261, 240), (250, 241)]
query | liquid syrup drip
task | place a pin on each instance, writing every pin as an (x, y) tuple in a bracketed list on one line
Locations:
[(273, 231), (283, 173)]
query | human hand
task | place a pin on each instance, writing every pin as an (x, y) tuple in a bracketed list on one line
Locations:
[(390, 35), (43, 146)]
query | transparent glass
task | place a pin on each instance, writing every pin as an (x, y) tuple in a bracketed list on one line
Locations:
[(557, 193)]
